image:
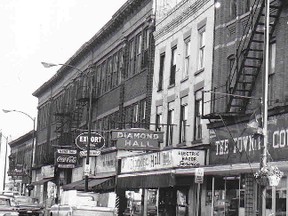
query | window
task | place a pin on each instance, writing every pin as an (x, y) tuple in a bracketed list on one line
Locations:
[(138, 52), (131, 58), (173, 66), (202, 38), (187, 58), (161, 71), (247, 6), (115, 70), (135, 113), (231, 62), (170, 124), (272, 64), (233, 9), (98, 80), (183, 119), (103, 72), (109, 74), (146, 35), (197, 116), (142, 110), (158, 125)]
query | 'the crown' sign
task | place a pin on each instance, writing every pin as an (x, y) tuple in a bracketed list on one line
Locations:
[(97, 141)]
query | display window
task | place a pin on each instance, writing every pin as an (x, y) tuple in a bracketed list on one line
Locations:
[(280, 194), (227, 197)]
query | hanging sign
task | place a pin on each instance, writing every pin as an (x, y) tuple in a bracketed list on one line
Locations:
[(137, 139), (66, 158), (97, 141)]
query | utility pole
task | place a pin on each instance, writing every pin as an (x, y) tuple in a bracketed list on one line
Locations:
[(263, 162)]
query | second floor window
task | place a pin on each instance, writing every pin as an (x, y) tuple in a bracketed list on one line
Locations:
[(197, 116), (173, 66), (183, 119), (158, 121), (170, 124), (161, 71)]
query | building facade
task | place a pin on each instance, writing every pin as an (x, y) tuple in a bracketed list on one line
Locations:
[(106, 85), (182, 71), (20, 163), (238, 103)]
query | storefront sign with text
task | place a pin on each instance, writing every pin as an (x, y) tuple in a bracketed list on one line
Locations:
[(173, 158), (137, 139), (239, 144), (66, 158)]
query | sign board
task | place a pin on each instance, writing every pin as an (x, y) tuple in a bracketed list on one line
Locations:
[(97, 141), (66, 158), (137, 139), (233, 146), (106, 164), (199, 175), (92, 153), (173, 158), (17, 170)]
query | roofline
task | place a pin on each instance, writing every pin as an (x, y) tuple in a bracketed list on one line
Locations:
[(119, 15)]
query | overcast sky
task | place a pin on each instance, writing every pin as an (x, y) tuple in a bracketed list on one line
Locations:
[(40, 30)]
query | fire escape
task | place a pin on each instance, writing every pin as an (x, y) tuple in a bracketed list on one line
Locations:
[(249, 58), (69, 118)]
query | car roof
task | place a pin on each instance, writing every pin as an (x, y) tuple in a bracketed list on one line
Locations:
[(4, 196)]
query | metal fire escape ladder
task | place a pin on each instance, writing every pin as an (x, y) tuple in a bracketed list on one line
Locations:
[(249, 56)]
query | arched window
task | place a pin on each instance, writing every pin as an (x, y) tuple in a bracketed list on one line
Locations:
[(233, 9)]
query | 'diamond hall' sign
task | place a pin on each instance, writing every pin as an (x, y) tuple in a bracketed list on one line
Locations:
[(137, 139)]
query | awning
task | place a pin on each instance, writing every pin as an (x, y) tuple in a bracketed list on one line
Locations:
[(93, 184), (154, 179), (146, 181), (42, 181)]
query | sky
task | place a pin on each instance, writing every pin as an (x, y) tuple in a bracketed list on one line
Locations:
[(40, 30)]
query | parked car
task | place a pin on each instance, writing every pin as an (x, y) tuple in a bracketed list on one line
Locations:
[(27, 206), (6, 207), (75, 203)]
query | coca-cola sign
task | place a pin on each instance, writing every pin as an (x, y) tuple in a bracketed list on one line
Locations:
[(66, 158)]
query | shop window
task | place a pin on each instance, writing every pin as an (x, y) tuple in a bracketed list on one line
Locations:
[(280, 196), (228, 197)]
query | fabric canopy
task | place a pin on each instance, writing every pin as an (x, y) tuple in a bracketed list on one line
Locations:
[(42, 181), (93, 184)]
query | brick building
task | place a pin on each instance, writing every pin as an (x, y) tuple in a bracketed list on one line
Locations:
[(118, 62), (238, 99)]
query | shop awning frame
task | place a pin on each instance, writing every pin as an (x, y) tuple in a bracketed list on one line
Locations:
[(92, 184), (42, 181)]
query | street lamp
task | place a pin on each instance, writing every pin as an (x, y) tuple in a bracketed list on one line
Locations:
[(33, 139), (5, 160), (90, 90)]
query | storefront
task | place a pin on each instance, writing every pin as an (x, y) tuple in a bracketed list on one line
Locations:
[(234, 158), (151, 185)]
